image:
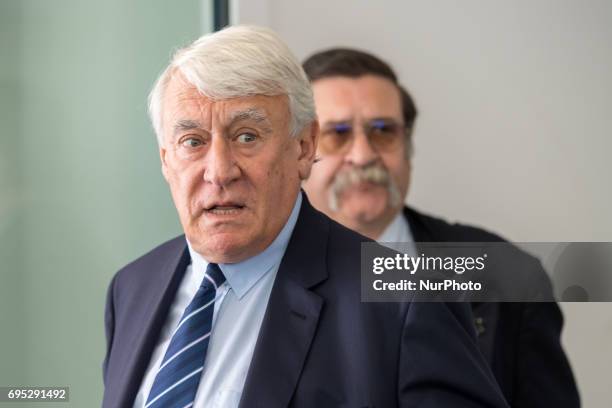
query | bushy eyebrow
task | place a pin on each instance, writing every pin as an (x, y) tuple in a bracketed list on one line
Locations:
[(186, 124), (253, 114), (368, 120), (333, 123)]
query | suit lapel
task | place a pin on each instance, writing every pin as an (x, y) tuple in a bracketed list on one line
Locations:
[(154, 305), (485, 314), (291, 317)]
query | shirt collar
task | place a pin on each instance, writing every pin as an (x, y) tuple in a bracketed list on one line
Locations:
[(398, 236), (242, 276), (397, 231)]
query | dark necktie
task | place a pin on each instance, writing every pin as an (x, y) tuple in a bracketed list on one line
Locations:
[(178, 377)]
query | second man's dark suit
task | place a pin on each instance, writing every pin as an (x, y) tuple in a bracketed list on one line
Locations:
[(521, 341)]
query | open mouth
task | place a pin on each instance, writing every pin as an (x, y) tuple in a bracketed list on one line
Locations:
[(224, 209)]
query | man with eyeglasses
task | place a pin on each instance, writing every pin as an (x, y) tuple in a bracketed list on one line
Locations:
[(361, 180)]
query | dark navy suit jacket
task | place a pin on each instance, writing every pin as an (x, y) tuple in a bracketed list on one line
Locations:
[(521, 341), (319, 345)]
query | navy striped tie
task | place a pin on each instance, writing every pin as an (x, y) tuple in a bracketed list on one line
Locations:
[(177, 379)]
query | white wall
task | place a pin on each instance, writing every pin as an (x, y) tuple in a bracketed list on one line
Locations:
[(515, 126)]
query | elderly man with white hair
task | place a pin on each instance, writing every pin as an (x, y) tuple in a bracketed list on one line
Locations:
[(258, 303)]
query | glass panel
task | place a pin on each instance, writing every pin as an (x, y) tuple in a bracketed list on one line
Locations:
[(81, 192)]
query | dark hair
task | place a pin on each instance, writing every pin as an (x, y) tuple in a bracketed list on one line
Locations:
[(354, 63)]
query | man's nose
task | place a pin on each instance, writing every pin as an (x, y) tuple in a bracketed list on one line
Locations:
[(361, 152), (220, 167)]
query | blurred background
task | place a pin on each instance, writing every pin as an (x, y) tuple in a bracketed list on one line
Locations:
[(514, 134)]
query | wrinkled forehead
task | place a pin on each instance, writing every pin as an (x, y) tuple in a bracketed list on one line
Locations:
[(183, 102), (368, 96)]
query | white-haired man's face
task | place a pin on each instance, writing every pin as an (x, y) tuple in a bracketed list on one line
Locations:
[(363, 175), (233, 170)]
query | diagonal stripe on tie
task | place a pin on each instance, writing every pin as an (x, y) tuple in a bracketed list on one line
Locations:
[(178, 376), (184, 349)]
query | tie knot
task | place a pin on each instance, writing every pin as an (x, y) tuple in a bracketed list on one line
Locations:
[(213, 276)]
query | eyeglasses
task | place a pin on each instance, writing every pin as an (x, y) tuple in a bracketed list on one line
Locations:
[(382, 134)]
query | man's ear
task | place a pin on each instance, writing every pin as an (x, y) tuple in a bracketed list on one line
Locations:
[(308, 149), (164, 165)]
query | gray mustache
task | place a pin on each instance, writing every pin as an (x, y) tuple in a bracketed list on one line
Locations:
[(370, 174), (374, 173)]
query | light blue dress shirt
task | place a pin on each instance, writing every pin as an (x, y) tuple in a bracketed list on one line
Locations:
[(239, 309), (398, 236)]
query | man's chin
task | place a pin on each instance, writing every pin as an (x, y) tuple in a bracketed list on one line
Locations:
[(224, 244), (364, 212), (221, 251), (364, 203)]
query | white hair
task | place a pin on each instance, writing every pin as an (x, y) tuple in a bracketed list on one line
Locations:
[(236, 62)]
